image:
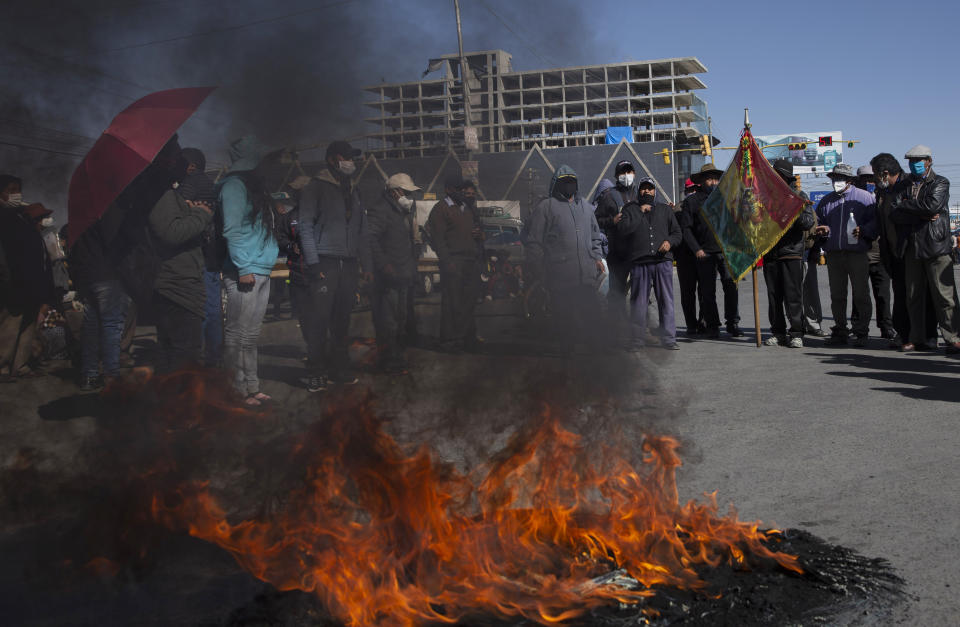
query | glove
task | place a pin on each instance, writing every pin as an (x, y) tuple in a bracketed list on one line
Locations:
[(314, 275)]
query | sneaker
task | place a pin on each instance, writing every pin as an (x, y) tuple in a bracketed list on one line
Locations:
[(91, 384), (775, 340), (859, 341), (672, 346), (316, 384), (734, 330), (796, 342), (908, 347), (816, 331), (343, 378)]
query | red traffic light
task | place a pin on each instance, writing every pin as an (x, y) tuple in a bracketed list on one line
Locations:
[(826, 140)]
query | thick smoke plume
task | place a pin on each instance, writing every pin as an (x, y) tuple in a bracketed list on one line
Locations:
[(291, 71)]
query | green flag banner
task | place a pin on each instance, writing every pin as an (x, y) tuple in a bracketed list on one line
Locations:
[(750, 209)]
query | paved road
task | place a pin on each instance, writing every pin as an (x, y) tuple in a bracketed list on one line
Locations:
[(859, 446)]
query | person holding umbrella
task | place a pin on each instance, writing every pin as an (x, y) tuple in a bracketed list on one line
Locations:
[(128, 169), (249, 226)]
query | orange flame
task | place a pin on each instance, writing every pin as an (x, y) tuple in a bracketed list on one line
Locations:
[(385, 537)]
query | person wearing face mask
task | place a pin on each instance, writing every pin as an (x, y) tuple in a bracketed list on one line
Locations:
[(564, 245), (879, 279), (453, 228), (335, 242), (608, 214), (709, 258), (783, 273), (650, 232), (394, 255), (926, 246), (847, 219), (892, 184), (29, 284)]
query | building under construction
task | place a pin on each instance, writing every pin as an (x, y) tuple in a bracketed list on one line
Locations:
[(515, 111)]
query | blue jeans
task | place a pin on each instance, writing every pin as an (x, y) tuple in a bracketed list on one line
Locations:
[(213, 320), (103, 317), (246, 307)]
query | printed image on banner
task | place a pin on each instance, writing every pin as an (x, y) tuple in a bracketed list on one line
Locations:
[(750, 209), (804, 150)]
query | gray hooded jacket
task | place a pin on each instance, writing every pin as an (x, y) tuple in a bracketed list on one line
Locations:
[(563, 238)]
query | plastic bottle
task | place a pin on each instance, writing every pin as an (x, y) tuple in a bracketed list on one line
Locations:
[(852, 239)]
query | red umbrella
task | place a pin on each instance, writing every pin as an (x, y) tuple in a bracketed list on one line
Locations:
[(125, 149)]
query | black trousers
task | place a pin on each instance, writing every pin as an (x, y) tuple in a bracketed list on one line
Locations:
[(179, 334), (391, 308), (688, 278), (901, 315), (708, 269), (812, 309), (325, 316), (880, 284), (784, 279), (459, 289)]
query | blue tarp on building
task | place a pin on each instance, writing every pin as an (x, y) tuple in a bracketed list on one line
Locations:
[(616, 133)]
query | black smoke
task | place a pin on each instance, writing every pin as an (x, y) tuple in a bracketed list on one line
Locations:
[(291, 71)]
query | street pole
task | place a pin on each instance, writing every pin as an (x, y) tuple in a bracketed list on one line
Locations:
[(464, 70)]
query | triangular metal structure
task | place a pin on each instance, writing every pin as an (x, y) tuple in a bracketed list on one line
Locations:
[(536, 148), (446, 157)]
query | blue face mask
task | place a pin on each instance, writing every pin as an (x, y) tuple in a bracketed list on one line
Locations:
[(919, 168), (871, 187)]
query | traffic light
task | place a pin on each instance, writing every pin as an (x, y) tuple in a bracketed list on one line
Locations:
[(849, 144), (798, 146), (666, 156), (705, 146), (826, 140)]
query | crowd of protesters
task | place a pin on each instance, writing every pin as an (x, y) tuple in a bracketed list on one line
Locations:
[(198, 253)]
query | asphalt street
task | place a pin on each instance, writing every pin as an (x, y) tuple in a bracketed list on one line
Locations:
[(857, 445)]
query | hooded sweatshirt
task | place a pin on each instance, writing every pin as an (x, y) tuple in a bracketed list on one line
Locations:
[(564, 238), (251, 247)]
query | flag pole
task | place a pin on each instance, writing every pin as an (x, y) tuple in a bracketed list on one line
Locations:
[(756, 286)]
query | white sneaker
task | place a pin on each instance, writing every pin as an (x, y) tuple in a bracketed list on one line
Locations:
[(796, 342), (773, 340)]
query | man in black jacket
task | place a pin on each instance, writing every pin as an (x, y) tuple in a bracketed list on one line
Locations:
[(709, 257), (926, 249), (783, 272), (892, 185), (394, 268), (177, 223), (649, 231), (608, 214)]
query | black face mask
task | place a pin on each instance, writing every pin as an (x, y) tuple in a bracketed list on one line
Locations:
[(708, 188), (567, 187)]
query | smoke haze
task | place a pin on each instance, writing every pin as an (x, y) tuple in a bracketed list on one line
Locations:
[(290, 71)]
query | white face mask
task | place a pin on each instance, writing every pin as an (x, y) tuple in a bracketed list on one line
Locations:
[(839, 186), (626, 180), (347, 167), (46, 222), (884, 184), (405, 202), (15, 199)]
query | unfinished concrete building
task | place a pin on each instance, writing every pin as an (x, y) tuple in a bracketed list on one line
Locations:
[(515, 111)]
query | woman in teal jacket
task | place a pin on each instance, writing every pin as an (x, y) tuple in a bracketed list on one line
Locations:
[(248, 228)]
